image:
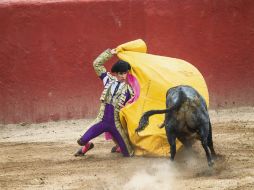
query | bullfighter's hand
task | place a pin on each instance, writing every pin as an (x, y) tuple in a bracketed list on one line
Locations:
[(113, 51)]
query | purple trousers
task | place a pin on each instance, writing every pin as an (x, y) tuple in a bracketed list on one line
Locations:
[(106, 125)]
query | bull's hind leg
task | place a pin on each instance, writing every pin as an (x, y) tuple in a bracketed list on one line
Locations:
[(186, 143), (172, 141), (204, 131), (210, 142)]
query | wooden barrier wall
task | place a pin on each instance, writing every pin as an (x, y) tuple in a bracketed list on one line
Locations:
[(47, 49)]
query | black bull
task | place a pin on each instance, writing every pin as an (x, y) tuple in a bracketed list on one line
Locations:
[(186, 118)]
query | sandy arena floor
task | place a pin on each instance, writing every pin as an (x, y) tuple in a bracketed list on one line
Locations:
[(40, 156)]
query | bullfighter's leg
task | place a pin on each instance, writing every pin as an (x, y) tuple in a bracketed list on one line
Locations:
[(91, 133), (119, 140)]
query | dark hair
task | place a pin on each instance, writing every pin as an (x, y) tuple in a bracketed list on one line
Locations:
[(120, 66)]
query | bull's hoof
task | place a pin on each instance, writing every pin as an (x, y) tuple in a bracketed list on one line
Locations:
[(215, 157), (210, 163)]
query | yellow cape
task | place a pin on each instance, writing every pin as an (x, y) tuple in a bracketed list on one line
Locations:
[(155, 74)]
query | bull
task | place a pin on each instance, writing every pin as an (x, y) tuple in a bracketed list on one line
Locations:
[(186, 118)]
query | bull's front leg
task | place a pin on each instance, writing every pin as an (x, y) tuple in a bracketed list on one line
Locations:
[(172, 142), (203, 138), (210, 142)]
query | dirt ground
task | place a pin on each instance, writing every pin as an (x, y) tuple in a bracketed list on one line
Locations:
[(40, 156)]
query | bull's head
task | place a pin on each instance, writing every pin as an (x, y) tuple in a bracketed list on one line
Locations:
[(144, 121)]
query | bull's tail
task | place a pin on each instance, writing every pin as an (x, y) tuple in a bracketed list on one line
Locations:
[(145, 118), (150, 113), (181, 99)]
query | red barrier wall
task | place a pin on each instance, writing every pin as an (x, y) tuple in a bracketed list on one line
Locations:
[(47, 49)]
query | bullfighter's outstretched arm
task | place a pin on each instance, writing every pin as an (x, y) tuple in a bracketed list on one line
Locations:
[(98, 63)]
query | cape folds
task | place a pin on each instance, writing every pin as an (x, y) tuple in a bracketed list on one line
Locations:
[(151, 77)]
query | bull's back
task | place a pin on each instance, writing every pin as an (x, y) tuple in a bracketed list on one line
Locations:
[(187, 93), (192, 107)]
